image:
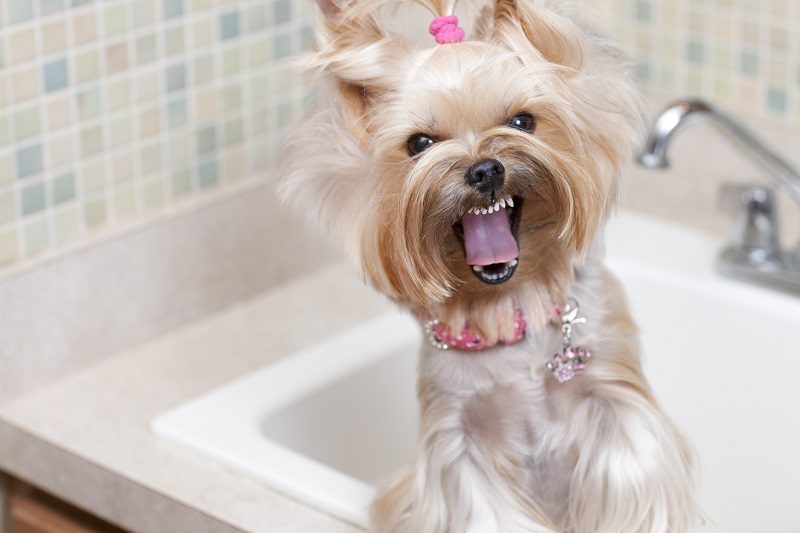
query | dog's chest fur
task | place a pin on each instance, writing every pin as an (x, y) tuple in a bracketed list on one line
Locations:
[(510, 408)]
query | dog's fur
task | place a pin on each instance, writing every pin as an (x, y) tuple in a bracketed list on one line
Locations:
[(503, 447)]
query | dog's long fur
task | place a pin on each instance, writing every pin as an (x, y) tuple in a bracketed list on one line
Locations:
[(503, 447)]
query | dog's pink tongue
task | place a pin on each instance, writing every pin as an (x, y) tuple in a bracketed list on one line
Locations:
[(488, 239)]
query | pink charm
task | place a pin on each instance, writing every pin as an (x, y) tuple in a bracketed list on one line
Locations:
[(569, 365), (572, 361), (446, 30)]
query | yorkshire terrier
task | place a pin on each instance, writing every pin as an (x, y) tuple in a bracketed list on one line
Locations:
[(471, 181)]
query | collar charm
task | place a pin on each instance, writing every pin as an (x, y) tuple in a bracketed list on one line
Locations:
[(571, 361)]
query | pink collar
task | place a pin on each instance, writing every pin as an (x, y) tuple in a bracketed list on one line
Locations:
[(441, 337), (565, 365)]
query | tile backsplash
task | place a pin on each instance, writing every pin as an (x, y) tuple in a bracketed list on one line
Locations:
[(743, 54), (114, 110)]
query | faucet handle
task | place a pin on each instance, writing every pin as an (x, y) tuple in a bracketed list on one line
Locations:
[(754, 237)]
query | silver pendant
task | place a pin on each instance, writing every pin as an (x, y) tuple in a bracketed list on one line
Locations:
[(571, 361)]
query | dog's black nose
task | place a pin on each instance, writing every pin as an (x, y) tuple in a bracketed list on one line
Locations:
[(487, 175)]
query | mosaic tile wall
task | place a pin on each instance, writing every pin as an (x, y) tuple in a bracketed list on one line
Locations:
[(743, 54), (113, 110)]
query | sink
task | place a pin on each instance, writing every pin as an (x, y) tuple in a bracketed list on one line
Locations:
[(327, 424)]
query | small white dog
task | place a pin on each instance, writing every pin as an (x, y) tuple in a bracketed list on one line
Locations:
[(471, 182)]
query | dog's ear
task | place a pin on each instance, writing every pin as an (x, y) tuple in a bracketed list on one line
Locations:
[(362, 59), (557, 38)]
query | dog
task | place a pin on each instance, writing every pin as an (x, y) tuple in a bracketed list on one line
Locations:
[(470, 181)]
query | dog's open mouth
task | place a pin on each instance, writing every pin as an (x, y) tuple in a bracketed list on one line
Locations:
[(491, 241)]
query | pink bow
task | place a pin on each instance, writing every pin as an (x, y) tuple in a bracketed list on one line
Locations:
[(446, 30)]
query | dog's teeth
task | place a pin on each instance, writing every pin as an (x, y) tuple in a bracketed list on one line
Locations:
[(484, 211), (496, 208), (477, 268), (510, 202), (503, 204), (513, 263)]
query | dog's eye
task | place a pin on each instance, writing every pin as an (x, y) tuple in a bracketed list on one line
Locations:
[(523, 121), (419, 143)]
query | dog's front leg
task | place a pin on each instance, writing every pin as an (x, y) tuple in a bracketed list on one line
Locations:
[(469, 474), (634, 469)]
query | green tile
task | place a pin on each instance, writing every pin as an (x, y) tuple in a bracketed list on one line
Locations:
[(153, 194), (285, 114), (173, 8), (234, 132), (203, 69), (150, 158), (644, 71), (64, 188), (258, 88), (644, 10), (95, 213), (29, 161), (232, 98), (5, 134), (695, 52), (207, 174), (9, 249), (174, 40), (50, 6), (91, 140), (231, 63), (32, 200), (206, 140), (176, 78), (229, 25), (181, 183), (749, 63), (19, 10), (7, 206), (89, 103), (281, 11), (256, 18), (26, 123), (281, 46), (777, 100), (116, 19), (55, 75), (306, 38), (35, 236), (146, 49), (177, 112)]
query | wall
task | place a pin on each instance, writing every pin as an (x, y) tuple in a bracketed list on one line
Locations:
[(111, 112), (114, 111), (743, 54)]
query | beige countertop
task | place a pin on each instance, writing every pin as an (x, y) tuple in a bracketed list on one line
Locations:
[(87, 439)]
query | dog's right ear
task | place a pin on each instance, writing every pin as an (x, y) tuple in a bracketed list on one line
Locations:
[(362, 59), (555, 36)]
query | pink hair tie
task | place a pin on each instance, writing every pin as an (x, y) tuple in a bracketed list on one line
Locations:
[(446, 30)]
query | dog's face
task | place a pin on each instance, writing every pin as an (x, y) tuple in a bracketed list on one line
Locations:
[(467, 170)]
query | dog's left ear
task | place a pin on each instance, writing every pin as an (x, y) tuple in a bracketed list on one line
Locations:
[(557, 38)]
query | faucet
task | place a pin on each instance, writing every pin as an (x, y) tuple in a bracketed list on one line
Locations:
[(754, 253)]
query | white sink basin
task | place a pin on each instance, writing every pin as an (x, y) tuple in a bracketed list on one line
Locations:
[(327, 424)]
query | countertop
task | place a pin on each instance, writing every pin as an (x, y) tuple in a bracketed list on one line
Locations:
[(86, 438)]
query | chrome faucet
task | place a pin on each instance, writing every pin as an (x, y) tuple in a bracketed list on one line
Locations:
[(754, 253)]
